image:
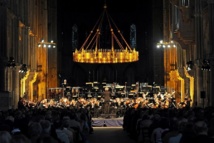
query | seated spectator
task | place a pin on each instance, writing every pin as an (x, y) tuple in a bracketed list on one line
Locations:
[(34, 131), (143, 129), (211, 128), (181, 126), (46, 127), (5, 137), (46, 139), (67, 130), (20, 138), (85, 127), (173, 130), (61, 135), (163, 126), (201, 130)]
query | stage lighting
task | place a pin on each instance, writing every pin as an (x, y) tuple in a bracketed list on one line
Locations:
[(206, 65), (11, 63), (189, 65), (23, 68)]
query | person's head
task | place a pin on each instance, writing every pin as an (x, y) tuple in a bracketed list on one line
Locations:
[(106, 89), (46, 126), (34, 129), (20, 138), (5, 137), (46, 139), (200, 127), (164, 123), (182, 124)]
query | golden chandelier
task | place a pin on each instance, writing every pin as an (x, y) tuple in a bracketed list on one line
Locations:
[(91, 51)]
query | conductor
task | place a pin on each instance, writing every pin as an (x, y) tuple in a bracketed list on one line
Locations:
[(107, 97)]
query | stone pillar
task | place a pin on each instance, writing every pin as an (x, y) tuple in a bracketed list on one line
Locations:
[(211, 36), (198, 53), (16, 87)]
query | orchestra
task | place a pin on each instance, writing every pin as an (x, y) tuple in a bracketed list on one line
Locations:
[(111, 99)]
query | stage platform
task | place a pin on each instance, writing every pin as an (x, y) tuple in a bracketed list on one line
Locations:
[(107, 120)]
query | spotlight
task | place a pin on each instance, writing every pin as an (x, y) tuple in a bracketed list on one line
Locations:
[(206, 65), (189, 65), (11, 63), (23, 68), (44, 44)]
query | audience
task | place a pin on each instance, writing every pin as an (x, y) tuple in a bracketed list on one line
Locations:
[(73, 125), (171, 125)]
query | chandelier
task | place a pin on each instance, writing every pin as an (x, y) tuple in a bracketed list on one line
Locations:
[(94, 50)]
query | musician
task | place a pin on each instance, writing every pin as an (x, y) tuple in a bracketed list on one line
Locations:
[(166, 103), (160, 96), (21, 103), (73, 103), (137, 89), (145, 94), (187, 101), (172, 102)]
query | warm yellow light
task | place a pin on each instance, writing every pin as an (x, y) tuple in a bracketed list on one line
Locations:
[(166, 44), (105, 56), (47, 44), (91, 52)]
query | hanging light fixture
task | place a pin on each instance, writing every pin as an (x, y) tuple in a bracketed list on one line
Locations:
[(94, 51), (44, 44), (11, 63), (189, 65), (205, 65), (163, 44), (23, 68)]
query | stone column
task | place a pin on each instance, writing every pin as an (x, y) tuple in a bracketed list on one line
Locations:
[(16, 87), (211, 36), (198, 53)]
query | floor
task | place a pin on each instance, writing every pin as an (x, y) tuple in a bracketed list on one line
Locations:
[(110, 135)]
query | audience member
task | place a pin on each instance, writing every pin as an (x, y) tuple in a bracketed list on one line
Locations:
[(34, 131), (163, 126), (5, 137), (20, 138), (201, 130)]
